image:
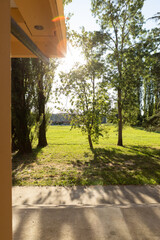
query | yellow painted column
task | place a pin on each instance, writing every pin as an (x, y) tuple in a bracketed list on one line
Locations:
[(5, 123)]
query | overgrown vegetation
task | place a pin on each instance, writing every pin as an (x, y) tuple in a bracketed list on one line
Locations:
[(68, 161), (31, 87)]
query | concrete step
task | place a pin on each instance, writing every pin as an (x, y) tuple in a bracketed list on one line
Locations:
[(86, 213)]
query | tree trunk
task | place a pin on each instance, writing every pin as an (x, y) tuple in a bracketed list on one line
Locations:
[(42, 140), (22, 132), (24, 141), (20, 110), (120, 142), (139, 114), (90, 142)]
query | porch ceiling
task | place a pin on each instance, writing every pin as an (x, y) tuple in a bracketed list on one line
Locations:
[(35, 18)]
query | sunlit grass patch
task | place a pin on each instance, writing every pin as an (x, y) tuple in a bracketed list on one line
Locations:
[(68, 160)]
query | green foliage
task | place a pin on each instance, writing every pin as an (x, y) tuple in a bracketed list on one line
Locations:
[(153, 123), (89, 100), (44, 75), (121, 28), (66, 2), (27, 74), (151, 86)]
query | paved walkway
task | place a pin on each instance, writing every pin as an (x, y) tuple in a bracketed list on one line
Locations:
[(86, 213)]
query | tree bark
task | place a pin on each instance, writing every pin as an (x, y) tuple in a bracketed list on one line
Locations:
[(90, 142), (23, 136), (120, 142), (42, 140), (20, 109)]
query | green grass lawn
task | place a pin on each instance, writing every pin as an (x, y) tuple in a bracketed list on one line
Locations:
[(68, 161)]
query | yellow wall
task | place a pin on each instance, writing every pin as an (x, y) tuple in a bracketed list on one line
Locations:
[(5, 123)]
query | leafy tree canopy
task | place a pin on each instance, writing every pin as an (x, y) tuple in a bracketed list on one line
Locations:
[(66, 2), (83, 85)]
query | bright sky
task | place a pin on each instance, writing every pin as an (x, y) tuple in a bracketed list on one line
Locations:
[(83, 17)]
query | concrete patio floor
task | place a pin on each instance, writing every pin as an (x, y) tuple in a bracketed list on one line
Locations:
[(88, 213)]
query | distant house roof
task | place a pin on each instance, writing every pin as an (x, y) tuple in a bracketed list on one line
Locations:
[(60, 118)]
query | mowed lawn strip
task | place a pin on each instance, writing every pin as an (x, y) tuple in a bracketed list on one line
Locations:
[(68, 160)]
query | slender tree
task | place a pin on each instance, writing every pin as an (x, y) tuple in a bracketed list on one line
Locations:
[(121, 24), (43, 75), (89, 101)]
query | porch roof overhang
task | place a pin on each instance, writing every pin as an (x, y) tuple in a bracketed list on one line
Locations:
[(33, 33)]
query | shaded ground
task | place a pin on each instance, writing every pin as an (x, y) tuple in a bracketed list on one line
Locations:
[(129, 165)]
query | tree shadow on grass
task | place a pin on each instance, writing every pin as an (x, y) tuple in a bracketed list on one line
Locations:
[(112, 166), (147, 151), (21, 161), (137, 165)]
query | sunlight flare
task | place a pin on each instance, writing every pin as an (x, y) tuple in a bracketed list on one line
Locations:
[(73, 56)]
